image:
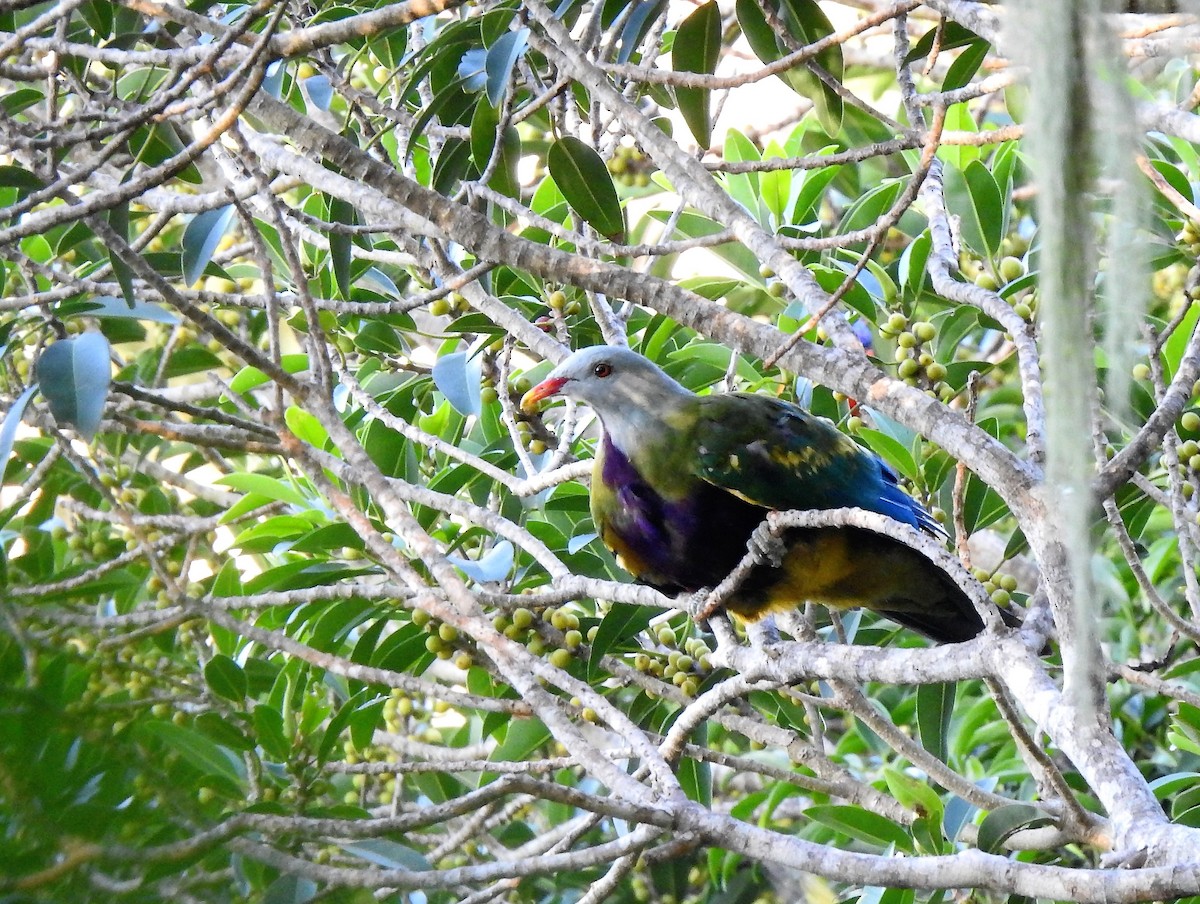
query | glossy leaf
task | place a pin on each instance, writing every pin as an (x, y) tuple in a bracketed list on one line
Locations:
[(952, 35), (1002, 823), (341, 244), (74, 375), (585, 182), (10, 423), (201, 238), (502, 58), (493, 566), (975, 197), (118, 220), (697, 49), (225, 678), (457, 378), (935, 706), (861, 824)]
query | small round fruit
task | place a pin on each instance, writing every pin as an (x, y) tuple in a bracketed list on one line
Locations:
[(1190, 421), (1011, 268), (985, 280), (924, 330), (1141, 371), (560, 658), (908, 368)]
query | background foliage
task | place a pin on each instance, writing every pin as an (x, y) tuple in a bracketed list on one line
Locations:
[(297, 605)]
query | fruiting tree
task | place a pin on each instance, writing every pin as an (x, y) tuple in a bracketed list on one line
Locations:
[(297, 604)]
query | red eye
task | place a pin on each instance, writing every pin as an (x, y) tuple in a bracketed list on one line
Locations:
[(602, 370)]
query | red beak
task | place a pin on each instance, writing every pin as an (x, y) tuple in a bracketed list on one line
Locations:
[(543, 390)]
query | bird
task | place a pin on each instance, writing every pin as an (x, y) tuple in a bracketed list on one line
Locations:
[(681, 481)]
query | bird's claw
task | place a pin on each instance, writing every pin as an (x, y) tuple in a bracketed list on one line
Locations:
[(767, 546)]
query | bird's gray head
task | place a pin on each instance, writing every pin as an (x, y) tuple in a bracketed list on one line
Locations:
[(613, 381)]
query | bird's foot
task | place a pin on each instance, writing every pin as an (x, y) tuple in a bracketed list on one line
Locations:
[(764, 633), (767, 546), (700, 605)]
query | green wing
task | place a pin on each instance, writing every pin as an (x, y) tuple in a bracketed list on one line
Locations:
[(781, 457)]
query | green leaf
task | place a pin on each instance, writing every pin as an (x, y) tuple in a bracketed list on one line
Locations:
[(341, 244), (457, 377), (340, 721), (74, 375), (10, 423), (265, 485), (697, 49), (485, 126), (974, 195), (522, 737), (914, 794), (587, 185), (963, 69), (251, 377), (805, 23), (953, 35), (935, 705), (225, 678), (1000, 824), (118, 220), (695, 777), (864, 825), (204, 755), (776, 184), (501, 58), (268, 726), (201, 238), (645, 12), (108, 306), (388, 854), (620, 623), (290, 889)]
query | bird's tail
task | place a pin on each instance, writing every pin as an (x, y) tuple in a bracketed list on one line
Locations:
[(946, 614)]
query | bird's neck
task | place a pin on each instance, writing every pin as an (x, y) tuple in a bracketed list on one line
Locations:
[(651, 438)]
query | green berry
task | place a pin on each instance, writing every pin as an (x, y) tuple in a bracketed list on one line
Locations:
[(440, 307), (985, 280), (573, 639), (906, 340), (908, 368), (925, 330), (522, 618), (1190, 421), (1141, 371), (666, 636), (560, 658), (448, 633), (1011, 268), (897, 322), (936, 371)]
